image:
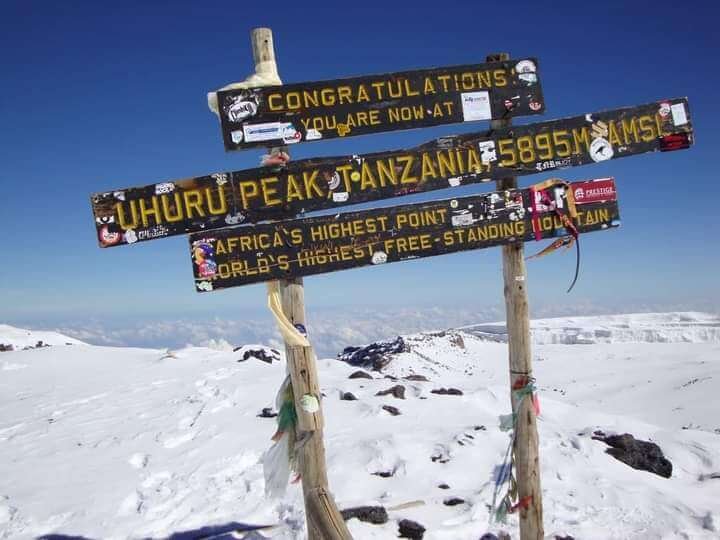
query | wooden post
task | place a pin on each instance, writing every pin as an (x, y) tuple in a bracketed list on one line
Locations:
[(324, 521), (527, 461)]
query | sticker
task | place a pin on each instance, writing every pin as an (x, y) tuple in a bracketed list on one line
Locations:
[(340, 197), (300, 328), (165, 187), (205, 286), (453, 204), (220, 178), (236, 136), (476, 106), (309, 403), (107, 237), (455, 181), (104, 220), (529, 78), (265, 132), (600, 129), (487, 151), (130, 236), (590, 192), (290, 135), (678, 114), (234, 219), (203, 255), (525, 66), (664, 109), (312, 134), (333, 181), (509, 104), (239, 110), (379, 257), (601, 149), (119, 195), (519, 278), (354, 176), (535, 105), (462, 220), (677, 141)]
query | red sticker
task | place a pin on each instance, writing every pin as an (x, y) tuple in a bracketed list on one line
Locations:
[(676, 141), (599, 190)]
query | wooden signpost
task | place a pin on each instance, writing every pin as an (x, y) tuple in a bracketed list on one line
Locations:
[(245, 225), (243, 255), (233, 198), (313, 111)]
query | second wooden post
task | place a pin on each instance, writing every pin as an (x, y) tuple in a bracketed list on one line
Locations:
[(527, 461)]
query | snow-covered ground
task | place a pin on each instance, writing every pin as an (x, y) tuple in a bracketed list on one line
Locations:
[(128, 443)]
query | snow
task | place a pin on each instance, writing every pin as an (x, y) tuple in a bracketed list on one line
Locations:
[(19, 338), (109, 442)]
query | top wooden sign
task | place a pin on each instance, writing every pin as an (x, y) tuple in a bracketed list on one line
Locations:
[(292, 113)]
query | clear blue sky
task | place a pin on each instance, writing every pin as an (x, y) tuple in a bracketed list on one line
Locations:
[(102, 95)]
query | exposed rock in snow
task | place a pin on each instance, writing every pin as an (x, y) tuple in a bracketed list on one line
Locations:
[(12, 338)]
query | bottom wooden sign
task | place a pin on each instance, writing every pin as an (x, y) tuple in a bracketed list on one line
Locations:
[(242, 255)]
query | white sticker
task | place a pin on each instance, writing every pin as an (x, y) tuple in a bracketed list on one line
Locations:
[(519, 278), (601, 149), (462, 220), (476, 106), (240, 110), (340, 197), (379, 257), (454, 181), (678, 114), (130, 236), (119, 195), (312, 135), (309, 403), (487, 151), (265, 132), (290, 135), (204, 286), (525, 66), (236, 136), (165, 187)]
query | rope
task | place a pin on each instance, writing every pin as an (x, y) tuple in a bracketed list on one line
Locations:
[(523, 387), (289, 333)]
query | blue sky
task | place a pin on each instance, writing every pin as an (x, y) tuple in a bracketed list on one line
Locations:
[(100, 95)]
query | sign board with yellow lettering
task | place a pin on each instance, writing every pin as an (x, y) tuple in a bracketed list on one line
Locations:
[(255, 195), (242, 255), (293, 113)]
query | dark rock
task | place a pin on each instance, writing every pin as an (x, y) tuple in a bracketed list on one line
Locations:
[(376, 355), (347, 396), (443, 486), (360, 374), (457, 340), (266, 355), (397, 391), (421, 378), (439, 458), (370, 514), (390, 377), (641, 455), (447, 391), (568, 537), (392, 410), (480, 428), (267, 412), (453, 501), (384, 474), (410, 529), (6, 348)]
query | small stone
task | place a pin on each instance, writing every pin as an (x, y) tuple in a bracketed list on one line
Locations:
[(410, 529), (397, 391), (369, 514), (421, 378), (392, 410), (384, 474), (453, 501), (347, 396), (360, 374), (447, 392), (266, 355), (480, 428), (267, 412), (443, 486)]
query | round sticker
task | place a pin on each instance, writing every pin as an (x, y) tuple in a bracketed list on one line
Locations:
[(601, 149)]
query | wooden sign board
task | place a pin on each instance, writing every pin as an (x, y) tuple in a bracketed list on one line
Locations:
[(292, 113), (242, 255), (261, 194)]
